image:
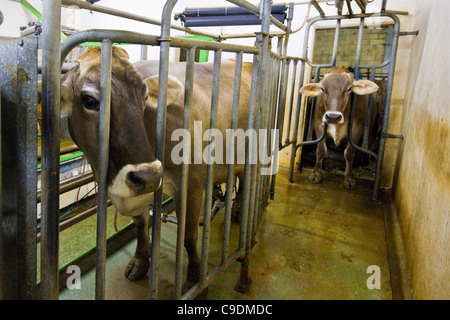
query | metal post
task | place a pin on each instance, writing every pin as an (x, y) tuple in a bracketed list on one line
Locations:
[(387, 106), (160, 142), (103, 159), (181, 215), (51, 74), (209, 169), (230, 151)]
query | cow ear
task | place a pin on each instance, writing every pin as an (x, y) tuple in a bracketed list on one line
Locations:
[(311, 90), (362, 87), (66, 99), (174, 90)]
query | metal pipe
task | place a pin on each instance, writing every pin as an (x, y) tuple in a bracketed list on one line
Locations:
[(103, 159), (160, 142), (140, 38), (308, 143), (336, 42), (123, 14), (291, 104), (230, 151), (318, 8), (209, 169), (387, 105), (73, 184), (74, 220), (51, 77), (181, 210)]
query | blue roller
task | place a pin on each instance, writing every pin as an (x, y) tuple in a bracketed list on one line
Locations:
[(231, 16)]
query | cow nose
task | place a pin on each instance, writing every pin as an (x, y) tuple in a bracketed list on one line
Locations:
[(333, 117), (144, 181)]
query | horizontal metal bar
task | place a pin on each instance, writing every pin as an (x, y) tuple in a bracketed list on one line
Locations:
[(140, 38), (132, 16), (72, 184), (214, 274)]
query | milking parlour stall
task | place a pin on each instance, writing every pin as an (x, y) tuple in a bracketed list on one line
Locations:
[(247, 152)]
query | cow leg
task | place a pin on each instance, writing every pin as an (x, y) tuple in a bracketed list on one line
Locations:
[(349, 155), (193, 208), (237, 203), (138, 266), (349, 180), (316, 176)]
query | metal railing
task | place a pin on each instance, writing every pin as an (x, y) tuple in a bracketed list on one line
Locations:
[(267, 108)]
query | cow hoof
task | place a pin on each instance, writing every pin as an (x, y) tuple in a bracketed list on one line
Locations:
[(350, 183), (137, 269), (315, 178)]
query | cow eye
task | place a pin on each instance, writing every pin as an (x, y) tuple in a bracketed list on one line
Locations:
[(349, 89), (90, 103)]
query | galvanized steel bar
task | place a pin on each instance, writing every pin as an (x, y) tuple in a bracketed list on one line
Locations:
[(209, 169), (387, 105), (230, 161), (51, 75), (121, 36), (287, 141), (336, 42), (103, 160), (160, 142), (18, 260), (123, 14), (181, 214)]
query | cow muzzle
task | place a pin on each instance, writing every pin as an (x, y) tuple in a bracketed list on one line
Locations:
[(333, 117), (137, 179), (133, 186)]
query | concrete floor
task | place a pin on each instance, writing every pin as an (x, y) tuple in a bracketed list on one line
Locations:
[(314, 242)]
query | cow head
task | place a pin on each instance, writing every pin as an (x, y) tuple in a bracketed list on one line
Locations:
[(335, 88), (133, 172)]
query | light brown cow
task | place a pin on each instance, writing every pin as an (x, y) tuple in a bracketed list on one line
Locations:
[(133, 172), (333, 107)]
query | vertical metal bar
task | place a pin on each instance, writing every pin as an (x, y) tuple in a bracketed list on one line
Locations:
[(365, 143), (387, 106), (103, 160), (144, 52), (209, 169), (313, 108), (51, 75), (291, 103), (19, 178), (160, 142), (299, 100), (336, 42), (250, 158), (230, 151), (181, 215)]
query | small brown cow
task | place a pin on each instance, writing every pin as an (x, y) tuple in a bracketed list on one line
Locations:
[(333, 107)]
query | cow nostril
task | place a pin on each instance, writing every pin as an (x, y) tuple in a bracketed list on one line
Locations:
[(333, 117), (142, 181)]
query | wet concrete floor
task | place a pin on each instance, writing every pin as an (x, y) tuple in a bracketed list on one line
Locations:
[(314, 242)]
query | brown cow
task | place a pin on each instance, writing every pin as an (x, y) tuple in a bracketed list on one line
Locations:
[(333, 107), (133, 172)]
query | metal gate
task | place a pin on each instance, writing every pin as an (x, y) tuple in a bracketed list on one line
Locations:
[(291, 134), (19, 149), (19, 74)]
